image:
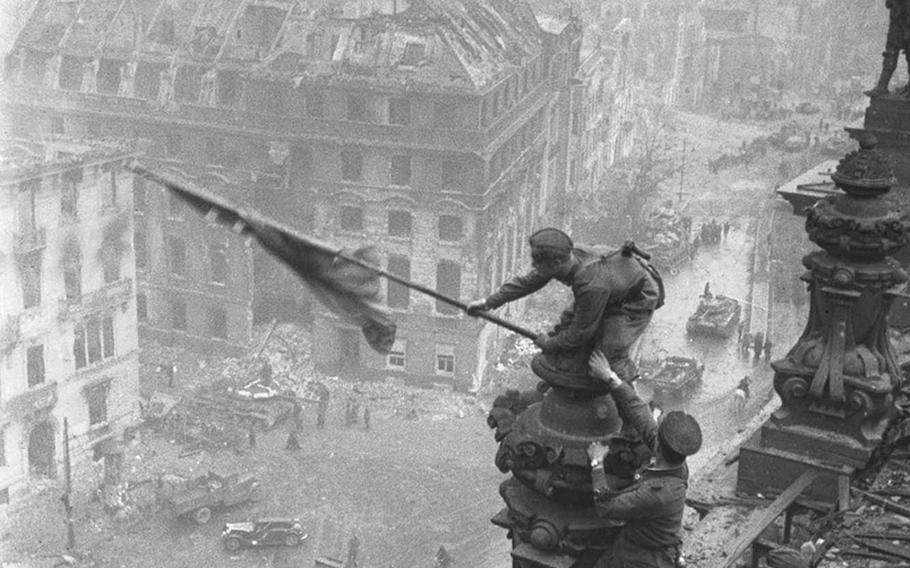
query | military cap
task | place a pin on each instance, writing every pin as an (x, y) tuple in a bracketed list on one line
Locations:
[(680, 432), (551, 238)]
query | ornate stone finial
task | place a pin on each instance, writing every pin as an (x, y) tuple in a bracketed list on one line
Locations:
[(864, 172)]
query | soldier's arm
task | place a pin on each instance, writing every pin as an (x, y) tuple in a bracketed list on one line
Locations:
[(637, 502), (517, 287), (590, 304), (635, 412)]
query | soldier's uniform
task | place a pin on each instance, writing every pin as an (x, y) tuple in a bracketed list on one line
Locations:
[(652, 507), (615, 297)]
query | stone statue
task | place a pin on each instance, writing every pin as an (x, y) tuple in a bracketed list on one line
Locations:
[(898, 39)]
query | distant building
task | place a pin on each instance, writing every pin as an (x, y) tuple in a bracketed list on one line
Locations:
[(435, 129), (68, 342)]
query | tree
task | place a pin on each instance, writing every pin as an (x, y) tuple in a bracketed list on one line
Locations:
[(613, 213)]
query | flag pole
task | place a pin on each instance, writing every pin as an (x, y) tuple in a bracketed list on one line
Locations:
[(199, 199)]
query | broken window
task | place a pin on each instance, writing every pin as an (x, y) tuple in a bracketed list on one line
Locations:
[(228, 88), (30, 270), (217, 323), (399, 296), (142, 308), (70, 77), (107, 336), (448, 282), (351, 165), (187, 84), (139, 194), (399, 111), (97, 403), (218, 261), (315, 103), (357, 108), (450, 228), (178, 315), (147, 81), (28, 194), (109, 76), (93, 340), (400, 170), (69, 194), (445, 359), (72, 277), (109, 188), (400, 223), (398, 354), (351, 218), (413, 53), (178, 256), (140, 247), (110, 264), (34, 364)]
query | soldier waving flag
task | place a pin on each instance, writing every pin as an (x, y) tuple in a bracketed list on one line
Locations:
[(346, 282)]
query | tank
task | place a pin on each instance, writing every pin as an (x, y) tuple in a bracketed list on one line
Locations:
[(716, 315), (674, 376)]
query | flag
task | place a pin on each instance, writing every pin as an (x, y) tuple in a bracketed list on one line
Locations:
[(342, 280)]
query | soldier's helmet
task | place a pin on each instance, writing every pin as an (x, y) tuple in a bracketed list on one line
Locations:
[(680, 432)]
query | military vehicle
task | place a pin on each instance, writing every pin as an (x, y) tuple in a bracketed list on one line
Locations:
[(196, 498), (674, 376), (716, 315)]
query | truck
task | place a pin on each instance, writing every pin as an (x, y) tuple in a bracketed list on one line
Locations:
[(196, 498)]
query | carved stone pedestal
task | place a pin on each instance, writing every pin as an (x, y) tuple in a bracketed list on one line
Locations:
[(549, 509), (837, 383)]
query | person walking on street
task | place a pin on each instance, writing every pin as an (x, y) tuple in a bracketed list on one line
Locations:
[(746, 343), (767, 349)]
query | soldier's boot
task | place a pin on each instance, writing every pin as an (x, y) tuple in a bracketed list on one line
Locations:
[(889, 64)]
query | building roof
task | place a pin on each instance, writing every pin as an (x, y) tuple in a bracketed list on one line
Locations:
[(466, 44), (22, 158)]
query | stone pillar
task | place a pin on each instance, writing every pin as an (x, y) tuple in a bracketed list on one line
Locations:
[(837, 383), (127, 86), (544, 435), (90, 75)]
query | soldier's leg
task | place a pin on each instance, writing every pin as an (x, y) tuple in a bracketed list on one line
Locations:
[(618, 334), (889, 64)]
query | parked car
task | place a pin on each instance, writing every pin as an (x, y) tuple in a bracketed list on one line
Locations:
[(264, 532)]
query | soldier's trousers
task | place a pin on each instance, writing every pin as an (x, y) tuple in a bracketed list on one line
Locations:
[(618, 334)]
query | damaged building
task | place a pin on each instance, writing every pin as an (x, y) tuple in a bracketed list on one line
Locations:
[(68, 341), (405, 124)]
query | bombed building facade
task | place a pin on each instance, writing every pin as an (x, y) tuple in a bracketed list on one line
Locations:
[(405, 124), (68, 341)]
